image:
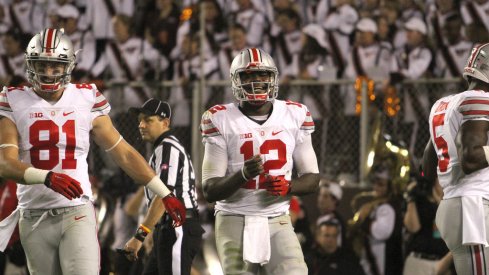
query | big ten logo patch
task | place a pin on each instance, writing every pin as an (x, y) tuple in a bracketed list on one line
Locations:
[(35, 115), (245, 136)]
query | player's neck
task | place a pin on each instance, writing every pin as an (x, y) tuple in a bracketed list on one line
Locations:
[(479, 85), (253, 110), (51, 97)]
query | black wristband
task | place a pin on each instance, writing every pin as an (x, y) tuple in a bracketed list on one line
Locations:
[(47, 182), (139, 237), (140, 234)]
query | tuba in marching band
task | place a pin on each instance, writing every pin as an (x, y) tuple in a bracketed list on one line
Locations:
[(386, 159)]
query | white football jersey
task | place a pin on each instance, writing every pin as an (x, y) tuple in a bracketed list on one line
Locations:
[(275, 140), (54, 136), (446, 117)]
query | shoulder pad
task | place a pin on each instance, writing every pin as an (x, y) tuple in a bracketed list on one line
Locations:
[(207, 126)]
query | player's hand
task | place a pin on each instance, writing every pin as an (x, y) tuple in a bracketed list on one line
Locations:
[(175, 208), (63, 184), (253, 167), (131, 249), (277, 185)]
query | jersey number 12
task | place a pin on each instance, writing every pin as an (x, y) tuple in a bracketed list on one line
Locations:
[(270, 164)]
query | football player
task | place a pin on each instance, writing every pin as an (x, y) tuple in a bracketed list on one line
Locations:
[(44, 143), (251, 147), (458, 153)]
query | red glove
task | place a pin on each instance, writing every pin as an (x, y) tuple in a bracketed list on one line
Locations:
[(277, 185), (64, 184), (174, 208)]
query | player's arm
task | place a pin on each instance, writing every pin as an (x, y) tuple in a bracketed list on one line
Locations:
[(10, 165), (215, 185), (475, 152), (430, 162), (128, 158), (306, 164), (12, 168), (135, 166)]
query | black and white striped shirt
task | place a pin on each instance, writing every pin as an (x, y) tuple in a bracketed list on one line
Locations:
[(172, 163)]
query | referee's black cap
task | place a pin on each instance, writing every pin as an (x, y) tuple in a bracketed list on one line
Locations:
[(153, 107)]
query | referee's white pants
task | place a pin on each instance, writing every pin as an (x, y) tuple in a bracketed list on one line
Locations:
[(468, 259)]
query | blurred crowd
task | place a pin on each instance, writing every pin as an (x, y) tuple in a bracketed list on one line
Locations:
[(158, 39)]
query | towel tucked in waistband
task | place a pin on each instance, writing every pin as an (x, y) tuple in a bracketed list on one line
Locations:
[(256, 240), (473, 221)]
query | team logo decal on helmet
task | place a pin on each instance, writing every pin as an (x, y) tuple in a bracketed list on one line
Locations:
[(478, 63), (49, 48), (254, 76)]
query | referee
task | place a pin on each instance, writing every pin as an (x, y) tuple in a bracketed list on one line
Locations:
[(174, 248)]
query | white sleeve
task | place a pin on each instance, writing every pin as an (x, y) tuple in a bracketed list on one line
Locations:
[(215, 161), (305, 160), (383, 223)]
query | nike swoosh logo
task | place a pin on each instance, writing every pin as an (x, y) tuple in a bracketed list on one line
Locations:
[(276, 133), (79, 218), (69, 113)]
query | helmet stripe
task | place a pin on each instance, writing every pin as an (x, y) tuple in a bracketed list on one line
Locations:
[(255, 55), (49, 37), (474, 54)]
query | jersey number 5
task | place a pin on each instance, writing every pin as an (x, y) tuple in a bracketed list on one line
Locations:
[(270, 164), (440, 143), (51, 144)]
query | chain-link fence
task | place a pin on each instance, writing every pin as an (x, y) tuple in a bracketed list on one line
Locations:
[(344, 134)]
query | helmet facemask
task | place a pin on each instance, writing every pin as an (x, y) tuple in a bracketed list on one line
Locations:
[(255, 86), (47, 75)]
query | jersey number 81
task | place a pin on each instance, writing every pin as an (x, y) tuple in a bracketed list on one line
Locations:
[(51, 144)]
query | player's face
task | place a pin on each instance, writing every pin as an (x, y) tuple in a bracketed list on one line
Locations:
[(256, 84), (151, 127), (49, 71)]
